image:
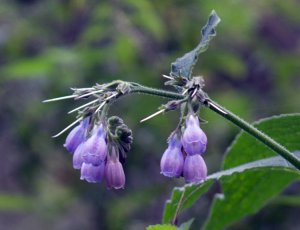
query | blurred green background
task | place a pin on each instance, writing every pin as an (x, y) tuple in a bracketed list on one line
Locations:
[(252, 67)]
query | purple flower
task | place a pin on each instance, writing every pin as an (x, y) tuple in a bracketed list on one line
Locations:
[(194, 169), (91, 173), (76, 136), (95, 148), (114, 173), (193, 139), (77, 156), (172, 161)]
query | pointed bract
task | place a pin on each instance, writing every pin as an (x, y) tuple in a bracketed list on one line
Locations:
[(95, 148), (91, 173), (194, 140), (76, 136), (194, 169), (172, 161)]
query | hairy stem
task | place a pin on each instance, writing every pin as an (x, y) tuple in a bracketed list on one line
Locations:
[(157, 92), (268, 141), (259, 135)]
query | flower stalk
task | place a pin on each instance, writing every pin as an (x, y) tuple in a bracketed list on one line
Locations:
[(205, 101)]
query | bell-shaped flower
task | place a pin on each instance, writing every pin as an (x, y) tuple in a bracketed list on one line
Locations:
[(194, 169), (95, 148), (193, 139), (114, 173), (77, 156), (92, 173), (76, 136), (172, 161)]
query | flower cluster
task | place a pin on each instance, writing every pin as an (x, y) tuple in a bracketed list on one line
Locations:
[(183, 155), (98, 144), (94, 155)]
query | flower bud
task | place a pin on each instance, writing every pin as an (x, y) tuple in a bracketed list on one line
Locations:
[(114, 173), (76, 136), (95, 148), (194, 169), (172, 161), (193, 139), (77, 156), (91, 173)]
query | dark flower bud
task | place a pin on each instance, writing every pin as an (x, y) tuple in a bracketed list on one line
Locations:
[(194, 169), (114, 173), (92, 173), (121, 134), (193, 139), (172, 161), (76, 136), (95, 148)]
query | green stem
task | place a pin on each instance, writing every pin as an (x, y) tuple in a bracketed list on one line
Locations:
[(259, 135), (157, 92)]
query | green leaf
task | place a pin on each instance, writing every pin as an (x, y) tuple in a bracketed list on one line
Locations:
[(183, 226), (183, 66), (246, 193), (189, 194), (162, 227), (284, 129), (186, 225), (192, 192)]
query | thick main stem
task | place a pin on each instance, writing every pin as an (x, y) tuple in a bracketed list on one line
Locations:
[(262, 137), (259, 135)]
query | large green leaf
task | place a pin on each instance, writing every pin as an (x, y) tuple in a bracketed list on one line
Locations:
[(251, 175), (245, 193), (284, 129), (190, 193)]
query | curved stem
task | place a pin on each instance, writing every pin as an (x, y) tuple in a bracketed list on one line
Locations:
[(259, 135)]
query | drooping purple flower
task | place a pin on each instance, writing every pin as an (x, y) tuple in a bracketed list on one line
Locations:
[(114, 173), (76, 136), (77, 156), (193, 139), (172, 161), (92, 173), (95, 148), (194, 169)]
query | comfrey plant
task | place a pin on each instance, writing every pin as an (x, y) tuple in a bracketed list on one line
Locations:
[(99, 143)]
